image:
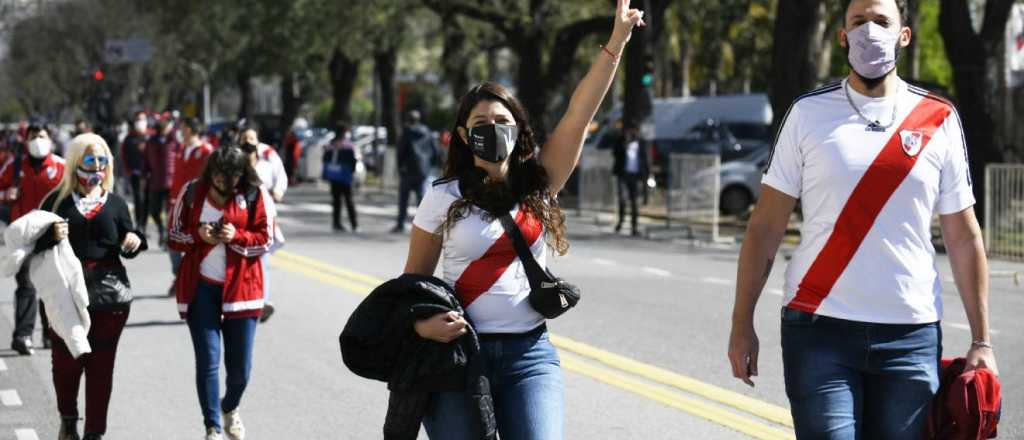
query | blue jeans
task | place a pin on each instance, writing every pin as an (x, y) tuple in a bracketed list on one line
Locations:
[(205, 325), (849, 380), (528, 391)]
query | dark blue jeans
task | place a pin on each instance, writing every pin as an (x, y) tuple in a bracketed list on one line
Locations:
[(205, 325), (526, 384), (405, 186), (849, 380)]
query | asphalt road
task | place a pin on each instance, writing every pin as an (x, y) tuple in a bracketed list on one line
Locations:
[(643, 354)]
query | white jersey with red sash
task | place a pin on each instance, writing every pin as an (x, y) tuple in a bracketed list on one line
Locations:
[(480, 262), (868, 198)]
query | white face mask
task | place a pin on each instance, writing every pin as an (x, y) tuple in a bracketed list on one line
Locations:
[(40, 147), (140, 126), (872, 50)]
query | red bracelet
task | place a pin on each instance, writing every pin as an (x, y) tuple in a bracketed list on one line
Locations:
[(614, 57)]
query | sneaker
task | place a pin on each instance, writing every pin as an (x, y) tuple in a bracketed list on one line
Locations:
[(233, 423), (68, 429), (212, 434), (93, 437), (22, 345), (268, 310), (398, 229)]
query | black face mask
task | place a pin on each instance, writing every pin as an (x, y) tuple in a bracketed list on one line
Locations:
[(493, 142)]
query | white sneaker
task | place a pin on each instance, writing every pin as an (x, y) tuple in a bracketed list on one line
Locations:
[(233, 425), (212, 434)]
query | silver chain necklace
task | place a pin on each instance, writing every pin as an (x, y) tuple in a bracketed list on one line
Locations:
[(872, 125)]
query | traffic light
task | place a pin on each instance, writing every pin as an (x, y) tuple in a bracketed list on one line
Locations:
[(98, 75), (648, 77)]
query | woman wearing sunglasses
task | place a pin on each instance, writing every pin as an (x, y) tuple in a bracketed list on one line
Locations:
[(220, 225), (101, 231)]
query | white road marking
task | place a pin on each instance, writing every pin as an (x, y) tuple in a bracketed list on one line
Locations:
[(966, 327), (658, 272), (26, 434), (3, 366), (604, 262), (10, 398), (719, 281)]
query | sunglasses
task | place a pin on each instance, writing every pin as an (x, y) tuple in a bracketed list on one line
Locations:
[(95, 161)]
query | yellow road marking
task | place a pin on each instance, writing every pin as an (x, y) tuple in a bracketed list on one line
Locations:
[(736, 400), (362, 285), (666, 397)]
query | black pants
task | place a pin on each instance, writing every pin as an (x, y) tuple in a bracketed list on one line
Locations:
[(405, 186), (139, 199), (155, 202), (630, 185), (26, 306), (339, 191)]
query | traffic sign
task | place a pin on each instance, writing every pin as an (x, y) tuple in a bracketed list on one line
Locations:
[(127, 51)]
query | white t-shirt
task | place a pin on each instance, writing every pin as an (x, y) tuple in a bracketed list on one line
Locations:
[(823, 152), (270, 169), (480, 262), (214, 265)]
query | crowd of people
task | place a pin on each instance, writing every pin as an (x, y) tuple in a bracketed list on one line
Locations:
[(870, 158)]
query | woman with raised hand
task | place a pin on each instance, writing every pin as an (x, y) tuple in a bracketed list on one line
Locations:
[(495, 167), (101, 231)]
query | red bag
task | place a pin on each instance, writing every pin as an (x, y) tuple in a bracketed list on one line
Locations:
[(967, 406)]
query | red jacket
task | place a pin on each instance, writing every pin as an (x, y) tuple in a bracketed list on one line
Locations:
[(35, 183), (243, 280), (160, 155), (188, 165), (967, 406)]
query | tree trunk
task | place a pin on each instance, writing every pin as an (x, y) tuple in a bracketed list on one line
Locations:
[(974, 57), (531, 90), (291, 100), (385, 66), (455, 59), (245, 95), (343, 74), (913, 50), (686, 61), (792, 71)]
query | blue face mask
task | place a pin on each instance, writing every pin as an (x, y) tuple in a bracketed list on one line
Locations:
[(493, 142)]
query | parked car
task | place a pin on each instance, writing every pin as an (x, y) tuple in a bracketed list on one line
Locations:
[(739, 182)]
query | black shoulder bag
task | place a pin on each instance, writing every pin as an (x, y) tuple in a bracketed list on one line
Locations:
[(549, 295)]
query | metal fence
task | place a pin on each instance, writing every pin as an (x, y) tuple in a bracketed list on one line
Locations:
[(687, 201), (1004, 211)]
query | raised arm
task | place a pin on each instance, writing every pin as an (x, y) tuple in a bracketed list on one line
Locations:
[(562, 150)]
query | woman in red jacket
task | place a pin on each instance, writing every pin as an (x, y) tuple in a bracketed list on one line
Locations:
[(220, 225)]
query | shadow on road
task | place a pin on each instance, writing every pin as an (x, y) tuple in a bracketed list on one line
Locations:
[(176, 322)]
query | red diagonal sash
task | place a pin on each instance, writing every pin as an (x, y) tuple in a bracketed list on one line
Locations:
[(482, 273), (870, 195)]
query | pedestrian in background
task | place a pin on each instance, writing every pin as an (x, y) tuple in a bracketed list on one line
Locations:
[(273, 178), (220, 224), (101, 231), (158, 173), (417, 153), (134, 161), (631, 168), (871, 160), (25, 179), (188, 165), (496, 168), (340, 159)]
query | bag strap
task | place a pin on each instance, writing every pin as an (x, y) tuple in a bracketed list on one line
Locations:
[(534, 272)]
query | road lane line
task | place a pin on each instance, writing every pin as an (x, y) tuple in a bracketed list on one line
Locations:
[(3, 366), (736, 400), (25, 434), (718, 281), (356, 276), (10, 398), (966, 327), (696, 407), (658, 272), (338, 277)]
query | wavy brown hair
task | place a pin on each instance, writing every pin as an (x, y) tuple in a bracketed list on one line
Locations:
[(526, 184)]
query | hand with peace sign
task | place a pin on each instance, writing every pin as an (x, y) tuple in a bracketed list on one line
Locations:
[(625, 19)]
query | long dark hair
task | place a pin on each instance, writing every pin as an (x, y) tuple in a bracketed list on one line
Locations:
[(228, 162), (526, 184)]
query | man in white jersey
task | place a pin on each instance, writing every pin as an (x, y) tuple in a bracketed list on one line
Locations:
[(871, 158)]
